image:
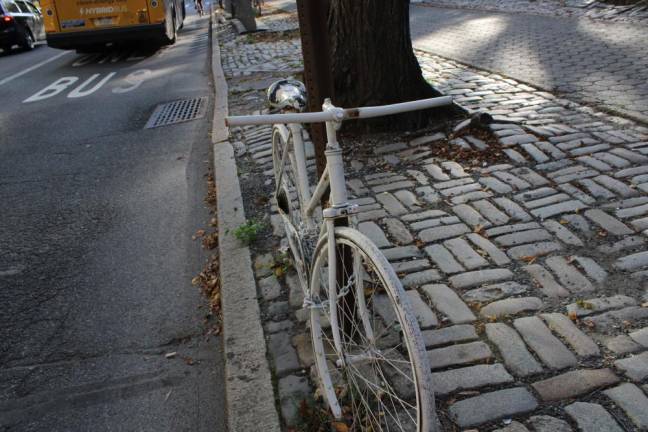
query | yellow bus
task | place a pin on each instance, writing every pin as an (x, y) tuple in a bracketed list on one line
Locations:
[(89, 25)]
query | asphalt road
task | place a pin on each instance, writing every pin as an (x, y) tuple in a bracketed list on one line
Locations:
[(96, 256)]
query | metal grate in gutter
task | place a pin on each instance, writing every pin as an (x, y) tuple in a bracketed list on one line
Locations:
[(177, 112)]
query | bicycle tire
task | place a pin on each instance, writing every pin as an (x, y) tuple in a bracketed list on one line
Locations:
[(383, 380)]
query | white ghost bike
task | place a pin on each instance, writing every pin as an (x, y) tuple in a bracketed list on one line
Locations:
[(369, 353)]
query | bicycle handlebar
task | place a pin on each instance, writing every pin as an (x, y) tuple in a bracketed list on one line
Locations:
[(339, 114)]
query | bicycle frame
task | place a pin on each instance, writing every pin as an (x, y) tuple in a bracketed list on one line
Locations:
[(333, 175)]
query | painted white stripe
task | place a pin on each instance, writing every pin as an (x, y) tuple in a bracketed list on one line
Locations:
[(31, 68)]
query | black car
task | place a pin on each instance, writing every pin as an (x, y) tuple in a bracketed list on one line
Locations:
[(21, 23)]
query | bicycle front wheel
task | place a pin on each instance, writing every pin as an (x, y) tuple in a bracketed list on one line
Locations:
[(378, 378)]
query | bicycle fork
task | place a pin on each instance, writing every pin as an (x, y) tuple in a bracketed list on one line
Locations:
[(340, 208)]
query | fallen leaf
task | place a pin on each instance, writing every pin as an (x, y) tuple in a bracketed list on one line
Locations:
[(340, 427), (572, 316)]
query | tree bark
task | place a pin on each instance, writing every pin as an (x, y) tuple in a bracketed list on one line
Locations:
[(373, 62)]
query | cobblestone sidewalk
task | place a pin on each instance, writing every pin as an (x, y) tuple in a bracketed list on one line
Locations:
[(563, 8), (602, 64), (528, 273)]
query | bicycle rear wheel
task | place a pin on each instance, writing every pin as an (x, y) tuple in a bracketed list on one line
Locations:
[(380, 379)]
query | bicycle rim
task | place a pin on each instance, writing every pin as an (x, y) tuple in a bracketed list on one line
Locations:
[(380, 381)]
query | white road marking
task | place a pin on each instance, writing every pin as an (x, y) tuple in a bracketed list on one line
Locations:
[(31, 68), (53, 89), (81, 91), (135, 79)]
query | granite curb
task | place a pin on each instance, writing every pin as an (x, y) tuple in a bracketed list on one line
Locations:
[(250, 398)]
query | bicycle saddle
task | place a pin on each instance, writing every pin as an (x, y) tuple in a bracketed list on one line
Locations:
[(287, 94)]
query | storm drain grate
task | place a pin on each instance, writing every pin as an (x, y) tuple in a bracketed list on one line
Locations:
[(177, 112)]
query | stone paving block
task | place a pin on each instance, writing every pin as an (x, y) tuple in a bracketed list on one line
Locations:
[(523, 237), (400, 253), (443, 232), (424, 315), (592, 417), (452, 334), (563, 233), (549, 200), (607, 222), (544, 423), (582, 344), (495, 185), (515, 182), (533, 250), (510, 306), (550, 350), (489, 248), (460, 190), (601, 304), (591, 268), (470, 196), (617, 318), (574, 383), (513, 350), (632, 262), (304, 347), (546, 282), (493, 292), (632, 401), (616, 186), (507, 229), (375, 233), (419, 278), (556, 209), (492, 213), (398, 231), (429, 223), (635, 367), (577, 193), (448, 303), (292, 390), (568, 275), (409, 199), (269, 287), (444, 259), (479, 277), (492, 406), (410, 266), (454, 355), (471, 377), (295, 292), (275, 327), (640, 336), (391, 204), (620, 344), (465, 254), (283, 354), (393, 186), (516, 212), (470, 216)]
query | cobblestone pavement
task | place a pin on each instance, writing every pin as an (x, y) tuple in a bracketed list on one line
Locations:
[(605, 64), (531, 269), (565, 8)]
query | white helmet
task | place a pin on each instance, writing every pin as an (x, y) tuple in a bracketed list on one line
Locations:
[(287, 94)]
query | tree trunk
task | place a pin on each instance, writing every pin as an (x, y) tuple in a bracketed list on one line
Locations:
[(373, 62)]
